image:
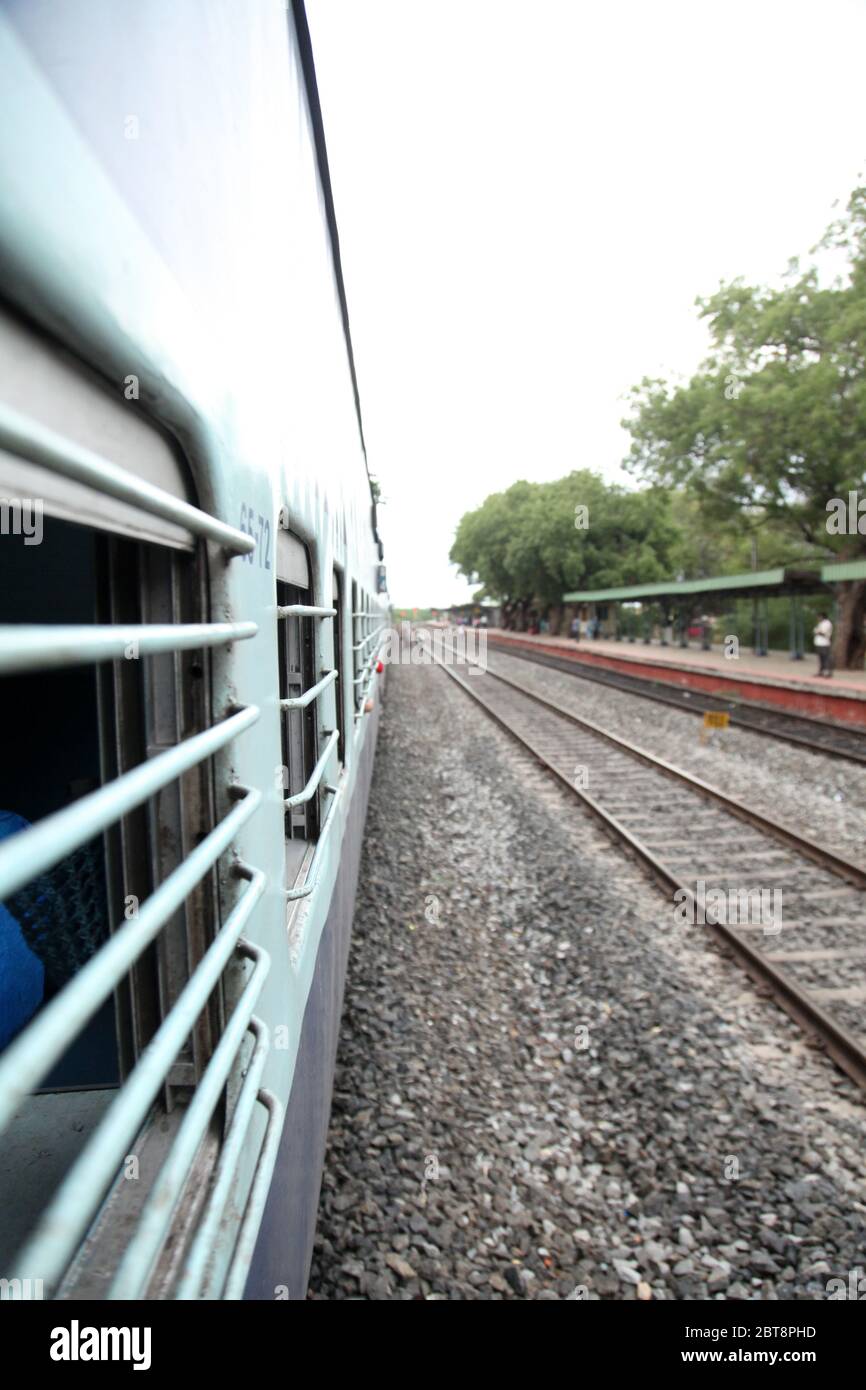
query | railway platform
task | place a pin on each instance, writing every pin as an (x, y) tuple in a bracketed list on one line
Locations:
[(773, 681)]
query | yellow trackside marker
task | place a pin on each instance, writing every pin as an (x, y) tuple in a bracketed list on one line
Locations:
[(716, 719)]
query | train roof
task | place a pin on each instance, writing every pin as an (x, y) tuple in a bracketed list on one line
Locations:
[(308, 68)]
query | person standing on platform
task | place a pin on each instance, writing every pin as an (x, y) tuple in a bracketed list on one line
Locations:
[(821, 636), (575, 628)]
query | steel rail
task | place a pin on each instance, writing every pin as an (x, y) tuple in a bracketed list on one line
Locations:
[(811, 849), (740, 711), (846, 1050)]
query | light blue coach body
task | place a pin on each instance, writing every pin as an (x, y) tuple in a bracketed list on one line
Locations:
[(165, 220)]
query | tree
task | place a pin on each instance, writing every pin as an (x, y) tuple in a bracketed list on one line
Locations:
[(535, 541), (706, 545), (772, 429)]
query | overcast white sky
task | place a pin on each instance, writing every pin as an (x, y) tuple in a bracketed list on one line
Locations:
[(530, 196)]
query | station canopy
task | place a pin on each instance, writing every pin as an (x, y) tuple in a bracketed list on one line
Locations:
[(784, 580)]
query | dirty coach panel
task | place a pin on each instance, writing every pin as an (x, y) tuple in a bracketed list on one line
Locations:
[(190, 606)]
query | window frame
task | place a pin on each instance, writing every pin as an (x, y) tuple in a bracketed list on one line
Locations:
[(299, 732), (338, 588)]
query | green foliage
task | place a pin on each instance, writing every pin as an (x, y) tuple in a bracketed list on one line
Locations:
[(524, 543), (704, 546), (772, 428), (741, 462), (774, 424)]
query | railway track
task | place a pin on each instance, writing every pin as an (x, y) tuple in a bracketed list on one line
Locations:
[(715, 855), (800, 729)]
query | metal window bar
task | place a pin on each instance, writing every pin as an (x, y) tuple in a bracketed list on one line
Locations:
[(198, 1277), (368, 666), (292, 894), (134, 1271), (356, 658), (371, 636), (360, 614), (65, 1221), (306, 698), (252, 1218), (338, 659), (296, 651), (21, 435), (173, 705), (364, 694), (44, 647), (31, 852), (304, 610), (32, 1054), (301, 797), (30, 1057), (360, 711), (301, 701)]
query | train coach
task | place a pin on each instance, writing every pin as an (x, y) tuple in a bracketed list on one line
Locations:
[(192, 600)]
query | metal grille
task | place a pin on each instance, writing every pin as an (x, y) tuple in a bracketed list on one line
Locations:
[(306, 801), (300, 740), (53, 872), (366, 643)]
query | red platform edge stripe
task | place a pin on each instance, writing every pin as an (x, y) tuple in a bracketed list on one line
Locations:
[(834, 706)]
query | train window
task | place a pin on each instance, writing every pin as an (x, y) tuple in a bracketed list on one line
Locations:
[(296, 639), (77, 729), (49, 927), (109, 840), (356, 655), (86, 725), (339, 665), (359, 630), (309, 658), (365, 629), (170, 705)]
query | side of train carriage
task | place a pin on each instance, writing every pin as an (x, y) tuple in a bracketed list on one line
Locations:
[(191, 596)]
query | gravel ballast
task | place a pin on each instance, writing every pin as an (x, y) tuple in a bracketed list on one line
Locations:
[(820, 796), (544, 1089)]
